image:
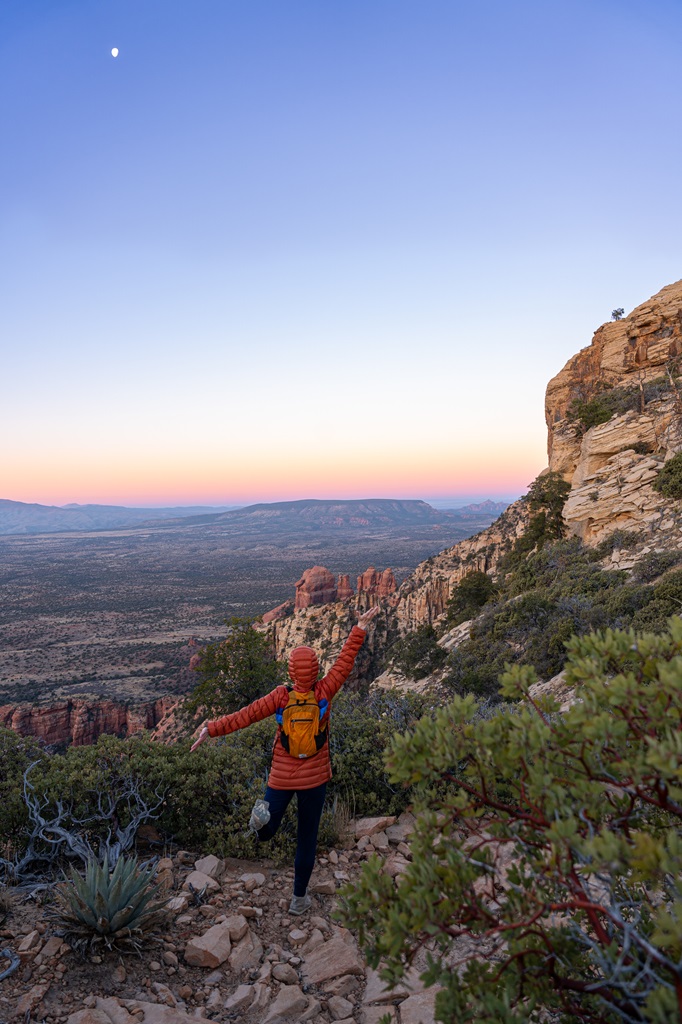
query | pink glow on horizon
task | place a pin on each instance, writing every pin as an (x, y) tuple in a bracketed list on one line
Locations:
[(160, 485)]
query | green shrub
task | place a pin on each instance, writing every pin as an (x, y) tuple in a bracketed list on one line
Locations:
[(471, 593), (234, 672), (205, 797), (547, 859), (418, 654), (655, 564), (668, 481)]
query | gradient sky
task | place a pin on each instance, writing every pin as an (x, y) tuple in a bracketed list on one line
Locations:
[(307, 248)]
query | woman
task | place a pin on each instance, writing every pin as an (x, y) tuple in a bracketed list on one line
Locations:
[(303, 725)]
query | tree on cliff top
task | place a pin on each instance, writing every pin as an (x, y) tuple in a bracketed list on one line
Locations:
[(546, 872), (234, 672)]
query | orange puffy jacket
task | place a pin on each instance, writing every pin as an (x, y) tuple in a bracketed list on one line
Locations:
[(289, 772)]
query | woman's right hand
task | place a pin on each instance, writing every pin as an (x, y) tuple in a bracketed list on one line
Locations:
[(203, 735)]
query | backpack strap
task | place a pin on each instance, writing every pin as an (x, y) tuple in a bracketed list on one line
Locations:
[(280, 711)]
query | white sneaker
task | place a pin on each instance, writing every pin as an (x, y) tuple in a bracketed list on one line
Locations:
[(260, 815), (299, 904)]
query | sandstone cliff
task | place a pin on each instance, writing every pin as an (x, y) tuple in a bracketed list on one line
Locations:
[(632, 362), (81, 722)]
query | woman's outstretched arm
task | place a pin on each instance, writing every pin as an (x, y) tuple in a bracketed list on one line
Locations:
[(255, 712)]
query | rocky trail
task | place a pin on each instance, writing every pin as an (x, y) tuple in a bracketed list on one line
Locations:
[(237, 956)]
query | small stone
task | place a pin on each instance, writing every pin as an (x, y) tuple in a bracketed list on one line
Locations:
[(238, 926), (288, 1004), (210, 866), (332, 959), (370, 826), (261, 997), (184, 857), (343, 985), (316, 939), (333, 857), (30, 941), (341, 876), (31, 999), (252, 880), (379, 841), (419, 1008), (51, 948), (200, 881), (339, 1007), (249, 912), (185, 992), (297, 936), (320, 922), (177, 904), (374, 1014), (119, 975), (241, 998), (210, 949), (285, 973), (169, 958), (214, 1000), (325, 888)]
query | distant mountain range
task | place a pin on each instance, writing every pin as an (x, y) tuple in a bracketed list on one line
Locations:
[(17, 517)]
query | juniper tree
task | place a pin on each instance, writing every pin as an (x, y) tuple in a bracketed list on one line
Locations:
[(546, 872)]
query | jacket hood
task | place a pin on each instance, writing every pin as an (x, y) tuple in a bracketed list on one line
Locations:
[(304, 668)]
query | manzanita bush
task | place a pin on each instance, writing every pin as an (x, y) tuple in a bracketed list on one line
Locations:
[(546, 873)]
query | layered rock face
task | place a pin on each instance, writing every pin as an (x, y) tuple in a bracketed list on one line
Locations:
[(316, 586), (423, 596), (80, 722), (611, 465), (377, 584)]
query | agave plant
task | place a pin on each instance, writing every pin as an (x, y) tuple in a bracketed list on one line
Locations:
[(110, 908)]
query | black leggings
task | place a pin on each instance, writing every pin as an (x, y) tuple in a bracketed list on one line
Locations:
[(310, 803)]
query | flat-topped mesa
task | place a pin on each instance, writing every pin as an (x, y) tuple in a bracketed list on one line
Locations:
[(316, 586)]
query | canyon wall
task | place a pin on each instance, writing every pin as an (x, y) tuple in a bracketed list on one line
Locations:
[(81, 722)]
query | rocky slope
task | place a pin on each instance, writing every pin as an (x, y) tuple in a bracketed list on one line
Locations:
[(234, 954)]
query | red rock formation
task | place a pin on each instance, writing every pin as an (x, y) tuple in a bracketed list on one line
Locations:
[(280, 612), (344, 591), (368, 581), (81, 722), (377, 584), (316, 586), (387, 584)]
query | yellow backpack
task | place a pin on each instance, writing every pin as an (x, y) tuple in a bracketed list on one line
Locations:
[(303, 724)]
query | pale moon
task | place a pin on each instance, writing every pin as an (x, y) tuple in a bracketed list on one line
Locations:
[(114, 52)]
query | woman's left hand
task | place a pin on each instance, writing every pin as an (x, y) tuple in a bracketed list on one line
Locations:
[(364, 620)]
